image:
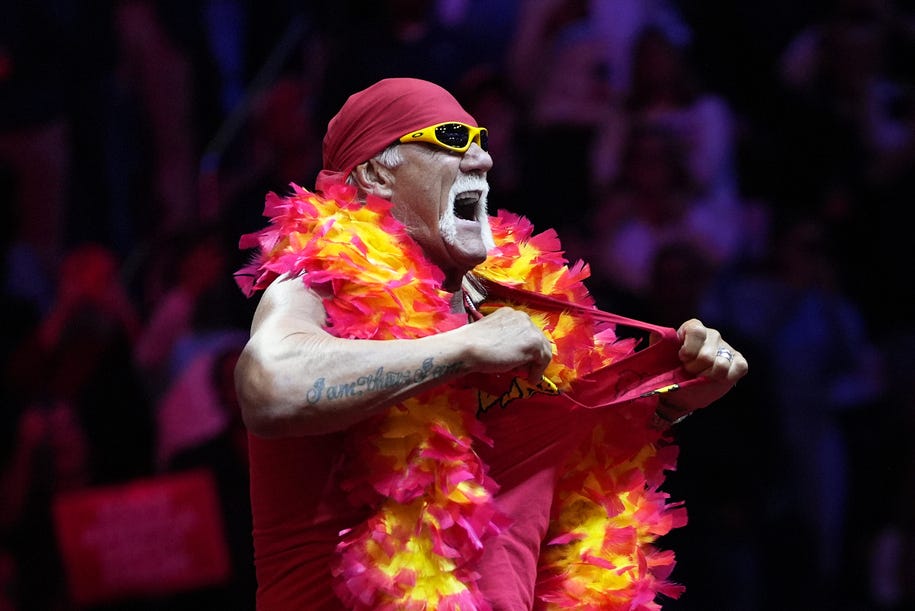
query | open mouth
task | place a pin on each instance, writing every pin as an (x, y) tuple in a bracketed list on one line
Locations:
[(466, 205)]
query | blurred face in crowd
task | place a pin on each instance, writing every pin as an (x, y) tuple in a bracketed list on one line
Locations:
[(657, 61), (440, 195)]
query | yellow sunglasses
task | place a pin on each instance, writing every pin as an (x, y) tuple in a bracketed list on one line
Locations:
[(452, 136)]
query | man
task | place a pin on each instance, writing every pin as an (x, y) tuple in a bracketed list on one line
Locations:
[(354, 440)]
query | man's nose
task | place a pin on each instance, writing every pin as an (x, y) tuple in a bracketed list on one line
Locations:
[(475, 159)]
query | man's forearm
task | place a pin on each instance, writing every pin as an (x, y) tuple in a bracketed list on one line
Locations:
[(328, 384), (381, 380)]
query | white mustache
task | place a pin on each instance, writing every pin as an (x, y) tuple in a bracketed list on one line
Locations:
[(469, 182), (462, 184)]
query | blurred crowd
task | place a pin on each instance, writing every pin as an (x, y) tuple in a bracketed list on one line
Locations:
[(746, 162)]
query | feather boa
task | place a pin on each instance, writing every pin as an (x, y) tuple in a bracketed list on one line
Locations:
[(415, 465)]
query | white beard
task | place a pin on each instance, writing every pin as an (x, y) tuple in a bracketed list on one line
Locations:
[(462, 184)]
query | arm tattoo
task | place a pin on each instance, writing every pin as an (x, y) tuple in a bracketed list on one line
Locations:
[(380, 380)]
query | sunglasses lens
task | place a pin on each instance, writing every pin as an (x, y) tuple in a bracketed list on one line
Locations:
[(484, 139), (452, 134)]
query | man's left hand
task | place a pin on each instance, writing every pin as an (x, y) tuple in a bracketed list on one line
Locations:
[(705, 354)]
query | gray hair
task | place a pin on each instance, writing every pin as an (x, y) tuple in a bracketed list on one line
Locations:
[(389, 158)]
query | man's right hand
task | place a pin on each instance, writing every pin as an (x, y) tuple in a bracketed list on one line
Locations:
[(507, 340)]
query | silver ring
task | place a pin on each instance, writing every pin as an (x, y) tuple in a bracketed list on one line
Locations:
[(725, 353)]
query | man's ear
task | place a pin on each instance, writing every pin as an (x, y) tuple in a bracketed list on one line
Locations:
[(373, 178)]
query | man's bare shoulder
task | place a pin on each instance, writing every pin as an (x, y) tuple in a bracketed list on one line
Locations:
[(287, 297)]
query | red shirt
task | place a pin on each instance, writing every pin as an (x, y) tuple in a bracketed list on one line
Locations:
[(299, 510)]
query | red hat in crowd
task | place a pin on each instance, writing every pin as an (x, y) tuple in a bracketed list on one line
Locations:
[(376, 117)]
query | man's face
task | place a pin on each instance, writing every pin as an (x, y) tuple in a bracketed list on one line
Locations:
[(440, 196)]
